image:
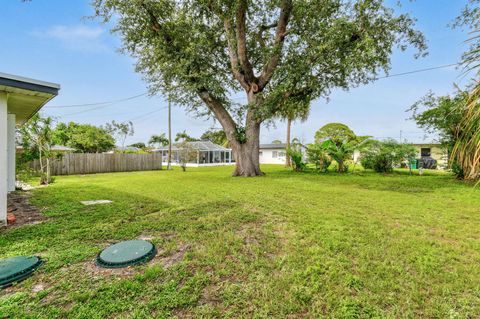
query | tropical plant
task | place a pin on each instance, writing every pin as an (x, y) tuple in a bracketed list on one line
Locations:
[(466, 151), (384, 156), (340, 153), (292, 112), (340, 143), (295, 153), (160, 140), (317, 155), (203, 53), (183, 136)]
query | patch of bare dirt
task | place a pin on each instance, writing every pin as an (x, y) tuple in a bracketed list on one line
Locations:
[(210, 295), (25, 213), (95, 271), (177, 256)]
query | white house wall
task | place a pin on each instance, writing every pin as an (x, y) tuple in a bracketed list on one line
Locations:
[(267, 156)]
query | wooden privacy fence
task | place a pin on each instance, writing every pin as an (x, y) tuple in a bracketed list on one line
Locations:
[(85, 163)]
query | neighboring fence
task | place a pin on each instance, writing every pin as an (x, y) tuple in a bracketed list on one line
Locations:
[(83, 163)]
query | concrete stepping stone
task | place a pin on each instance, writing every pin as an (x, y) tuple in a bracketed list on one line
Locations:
[(95, 202)]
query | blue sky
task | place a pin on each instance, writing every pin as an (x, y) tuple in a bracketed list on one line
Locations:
[(53, 41)]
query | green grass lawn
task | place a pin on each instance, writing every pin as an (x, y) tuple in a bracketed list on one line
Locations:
[(286, 245)]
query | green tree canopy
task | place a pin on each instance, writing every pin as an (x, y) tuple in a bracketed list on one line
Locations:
[(84, 138), (278, 53), (338, 133), (215, 136)]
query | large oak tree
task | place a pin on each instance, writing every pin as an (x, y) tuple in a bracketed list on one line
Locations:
[(201, 53)]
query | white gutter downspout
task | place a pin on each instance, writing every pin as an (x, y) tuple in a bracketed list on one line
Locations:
[(3, 158), (11, 150)]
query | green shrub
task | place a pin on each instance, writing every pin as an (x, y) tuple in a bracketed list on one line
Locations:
[(295, 152), (318, 156), (382, 157)]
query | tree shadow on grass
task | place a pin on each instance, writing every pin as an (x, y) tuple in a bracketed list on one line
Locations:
[(74, 231)]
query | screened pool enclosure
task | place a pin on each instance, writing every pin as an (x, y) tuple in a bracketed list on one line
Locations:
[(208, 154)]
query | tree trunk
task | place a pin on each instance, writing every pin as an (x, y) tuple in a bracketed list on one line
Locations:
[(169, 165), (48, 171), (247, 155), (246, 152), (288, 163)]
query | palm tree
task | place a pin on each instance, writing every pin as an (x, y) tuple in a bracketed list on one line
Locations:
[(293, 113), (160, 140), (466, 151)]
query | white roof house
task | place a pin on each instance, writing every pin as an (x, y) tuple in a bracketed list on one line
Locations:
[(20, 99), (273, 153), (54, 148), (208, 154)]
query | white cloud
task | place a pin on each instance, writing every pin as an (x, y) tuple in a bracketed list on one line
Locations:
[(79, 37)]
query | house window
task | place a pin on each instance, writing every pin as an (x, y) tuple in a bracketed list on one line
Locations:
[(261, 153), (281, 154), (425, 151), (274, 154)]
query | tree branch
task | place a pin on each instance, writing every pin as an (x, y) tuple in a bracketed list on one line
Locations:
[(268, 69), (241, 35), (262, 28), (221, 114), (232, 52), (154, 25)]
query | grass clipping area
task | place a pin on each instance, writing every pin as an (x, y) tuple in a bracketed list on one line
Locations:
[(296, 245)]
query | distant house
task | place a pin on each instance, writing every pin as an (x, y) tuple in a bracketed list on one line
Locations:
[(425, 151), (54, 148), (126, 149), (435, 151), (273, 153), (208, 154)]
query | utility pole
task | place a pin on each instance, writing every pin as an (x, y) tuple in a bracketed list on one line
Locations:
[(169, 166)]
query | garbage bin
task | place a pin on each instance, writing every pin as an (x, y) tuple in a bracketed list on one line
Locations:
[(413, 164)]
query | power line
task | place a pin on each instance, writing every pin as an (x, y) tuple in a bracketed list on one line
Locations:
[(101, 103), (146, 114), (107, 103), (418, 71), (84, 111)]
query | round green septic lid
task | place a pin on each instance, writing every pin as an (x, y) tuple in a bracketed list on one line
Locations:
[(126, 253), (17, 268)]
